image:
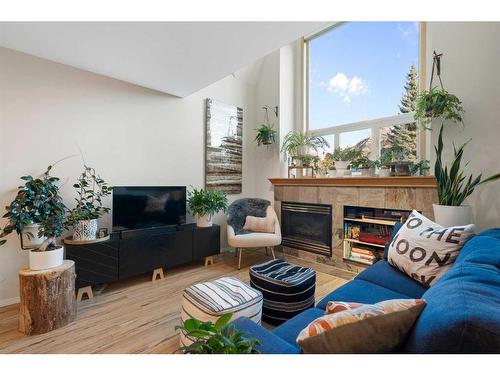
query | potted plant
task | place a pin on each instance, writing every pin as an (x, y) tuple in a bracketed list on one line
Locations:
[(437, 103), (383, 163), (343, 158), (420, 168), (453, 187), (204, 204), (91, 190), (216, 338), (298, 144), (326, 165), (37, 215), (266, 135), (364, 164)]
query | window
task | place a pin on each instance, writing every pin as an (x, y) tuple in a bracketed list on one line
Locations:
[(362, 81)]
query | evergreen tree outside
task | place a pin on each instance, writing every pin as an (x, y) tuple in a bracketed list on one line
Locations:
[(401, 140)]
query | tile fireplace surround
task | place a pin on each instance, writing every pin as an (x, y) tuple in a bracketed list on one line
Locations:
[(405, 193)]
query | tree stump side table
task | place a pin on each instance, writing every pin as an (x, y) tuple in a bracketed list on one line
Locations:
[(47, 298)]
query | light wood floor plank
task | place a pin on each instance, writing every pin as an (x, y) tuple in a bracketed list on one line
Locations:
[(137, 315)]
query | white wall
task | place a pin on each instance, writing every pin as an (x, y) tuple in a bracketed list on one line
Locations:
[(131, 135), (470, 71), (267, 93)]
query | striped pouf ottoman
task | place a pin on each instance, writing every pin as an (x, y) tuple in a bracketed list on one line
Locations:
[(208, 301), (287, 289)]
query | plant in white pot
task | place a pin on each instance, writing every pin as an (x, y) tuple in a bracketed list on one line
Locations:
[(204, 204), (37, 215), (453, 187), (298, 144), (91, 190)]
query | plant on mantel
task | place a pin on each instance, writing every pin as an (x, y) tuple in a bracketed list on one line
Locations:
[(297, 144), (39, 208)]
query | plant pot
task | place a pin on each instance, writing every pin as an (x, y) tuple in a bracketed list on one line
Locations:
[(367, 172), (204, 221), (267, 139), (42, 260), (449, 216), (400, 168), (85, 230), (341, 167), (30, 239), (384, 172)]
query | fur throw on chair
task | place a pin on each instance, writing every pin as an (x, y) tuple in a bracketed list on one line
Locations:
[(241, 208)]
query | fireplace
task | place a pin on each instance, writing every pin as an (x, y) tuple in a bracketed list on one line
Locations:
[(307, 227)]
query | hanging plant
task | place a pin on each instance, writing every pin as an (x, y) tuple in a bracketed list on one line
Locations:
[(437, 103), (266, 134)]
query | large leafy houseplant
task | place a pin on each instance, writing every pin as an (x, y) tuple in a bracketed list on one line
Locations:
[(39, 204), (216, 338), (453, 186), (204, 204), (297, 144)]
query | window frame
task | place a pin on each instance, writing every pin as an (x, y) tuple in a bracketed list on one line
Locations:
[(375, 125)]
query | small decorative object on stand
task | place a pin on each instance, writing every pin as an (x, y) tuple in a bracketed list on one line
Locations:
[(91, 190), (204, 204), (103, 232)]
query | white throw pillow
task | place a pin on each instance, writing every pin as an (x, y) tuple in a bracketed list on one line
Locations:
[(425, 250)]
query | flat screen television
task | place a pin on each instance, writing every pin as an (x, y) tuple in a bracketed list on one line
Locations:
[(140, 207)]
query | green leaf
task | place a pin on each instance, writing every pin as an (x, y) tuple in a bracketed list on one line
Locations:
[(223, 320)]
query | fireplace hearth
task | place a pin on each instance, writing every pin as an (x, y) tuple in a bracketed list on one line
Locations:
[(307, 226)]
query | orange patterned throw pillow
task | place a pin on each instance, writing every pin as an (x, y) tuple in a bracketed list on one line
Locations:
[(361, 328), (259, 224)]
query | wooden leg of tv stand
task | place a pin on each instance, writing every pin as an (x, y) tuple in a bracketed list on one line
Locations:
[(85, 290), (209, 260), (158, 272)]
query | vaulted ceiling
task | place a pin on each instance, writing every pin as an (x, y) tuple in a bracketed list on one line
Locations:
[(177, 58)]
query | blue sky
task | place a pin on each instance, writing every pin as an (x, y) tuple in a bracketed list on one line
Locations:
[(358, 70)]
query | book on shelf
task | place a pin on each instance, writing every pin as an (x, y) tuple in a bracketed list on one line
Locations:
[(363, 251)]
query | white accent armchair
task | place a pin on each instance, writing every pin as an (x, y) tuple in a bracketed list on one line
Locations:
[(253, 240)]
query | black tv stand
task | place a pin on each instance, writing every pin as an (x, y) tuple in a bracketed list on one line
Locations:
[(133, 252)]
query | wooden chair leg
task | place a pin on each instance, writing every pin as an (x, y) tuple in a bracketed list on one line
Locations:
[(158, 272), (272, 252), (267, 251), (209, 260), (85, 290), (239, 259)]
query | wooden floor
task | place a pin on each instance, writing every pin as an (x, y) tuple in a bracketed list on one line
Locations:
[(137, 315)]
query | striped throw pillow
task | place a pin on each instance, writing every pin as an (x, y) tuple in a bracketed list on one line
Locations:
[(378, 328)]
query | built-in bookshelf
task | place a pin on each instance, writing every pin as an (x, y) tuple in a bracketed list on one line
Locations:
[(367, 230)]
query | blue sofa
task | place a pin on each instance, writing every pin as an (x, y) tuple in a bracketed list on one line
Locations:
[(462, 314)]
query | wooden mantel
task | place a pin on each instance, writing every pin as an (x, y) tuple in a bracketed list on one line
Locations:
[(358, 181)]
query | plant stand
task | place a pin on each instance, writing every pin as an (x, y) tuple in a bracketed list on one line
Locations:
[(47, 298)]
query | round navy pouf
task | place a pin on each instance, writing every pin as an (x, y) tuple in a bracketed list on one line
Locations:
[(287, 289)]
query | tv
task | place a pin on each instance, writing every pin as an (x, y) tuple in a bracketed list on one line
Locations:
[(140, 207)]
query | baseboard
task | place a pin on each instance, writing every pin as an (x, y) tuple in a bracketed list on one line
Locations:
[(9, 301)]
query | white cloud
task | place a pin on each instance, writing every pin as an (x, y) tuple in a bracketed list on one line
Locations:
[(346, 87)]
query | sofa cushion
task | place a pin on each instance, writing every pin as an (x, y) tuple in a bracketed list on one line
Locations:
[(378, 328), (269, 342), (426, 250), (462, 313), (482, 249), (361, 291), (394, 231), (383, 274), (289, 330)]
